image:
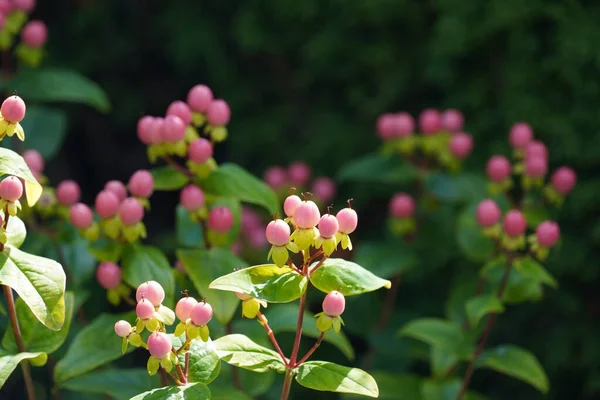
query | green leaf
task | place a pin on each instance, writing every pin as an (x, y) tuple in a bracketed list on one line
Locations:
[(440, 333), (393, 386), (168, 178), (106, 250), (228, 394), (432, 389), (59, 85), (193, 391), (377, 168), (119, 384), (516, 362), (8, 363), (189, 233), (36, 337), (471, 240), (536, 271), (330, 377), (519, 288), (39, 281), (266, 282), (442, 361), (347, 277), (480, 306), (230, 180), (204, 364), (253, 383), (386, 258), (147, 263), (80, 261), (13, 164), (45, 130), (165, 315), (239, 351), (203, 266), (16, 232), (456, 187), (95, 345)]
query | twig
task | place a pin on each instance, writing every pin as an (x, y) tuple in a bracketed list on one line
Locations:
[(312, 350), (263, 321)]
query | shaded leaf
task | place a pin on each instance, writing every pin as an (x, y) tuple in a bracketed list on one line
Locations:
[(120, 384)]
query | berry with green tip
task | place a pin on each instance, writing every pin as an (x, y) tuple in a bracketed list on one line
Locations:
[(278, 232), (218, 113), (290, 204), (328, 226), (563, 180), (151, 291), (118, 188), (144, 129), (520, 135), (108, 275), (159, 345), (122, 328), (430, 121), (144, 309), (403, 124), (334, 304), (191, 197), (199, 98), (34, 34), (385, 126), (173, 129), (348, 220), (461, 145), (200, 150), (488, 213), (536, 167), (201, 313), (181, 110), (107, 204), (498, 168), (452, 120), (402, 205), (536, 149)]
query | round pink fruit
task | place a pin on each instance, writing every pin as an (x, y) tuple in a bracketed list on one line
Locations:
[(276, 177), (402, 205), (24, 5), (200, 150), (144, 309), (173, 129), (220, 219), (151, 291), (34, 34), (547, 233), (199, 98), (278, 232), (159, 345), (118, 188), (452, 120), (334, 304), (191, 197), (403, 124), (430, 121), (461, 145), (122, 328), (324, 189), (144, 129), (68, 192), (498, 168), (11, 189), (385, 126), (141, 183), (108, 275), (13, 109), (184, 308), (307, 215), (299, 173), (131, 211), (488, 213), (348, 220), (290, 204), (536, 167), (181, 110), (514, 223), (218, 113), (34, 160), (201, 314), (328, 225), (107, 204), (563, 180), (520, 135), (536, 149), (81, 216)]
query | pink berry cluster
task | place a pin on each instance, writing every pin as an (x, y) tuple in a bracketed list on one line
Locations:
[(252, 230), (12, 113), (14, 16), (298, 175), (402, 209), (334, 305)]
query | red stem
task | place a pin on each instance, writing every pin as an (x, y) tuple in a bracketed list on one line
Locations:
[(263, 321)]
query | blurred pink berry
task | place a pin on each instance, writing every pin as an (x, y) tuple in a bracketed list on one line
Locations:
[(324, 189), (199, 98), (201, 314), (118, 188), (181, 110), (461, 144), (520, 135), (256, 238), (108, 275), (24, 5), (144, 309), (200, 150), (34, 160), (452, 120), (218, 113), (141, 183), (402, 205), (563, 180), (348, 220), (334, 304), (155, 135), (547, 233), (290, 204), (159, 345), (403, 124), (184, 308), (536, 149), (131, 211), (151, 291), (275, 177), (307, 215), (250, 219), (107, 204), (81, 216), (278, 232), (299, 173), (488, 213), (34, 34), (122, 328), (220, 219), (385, 126), (173, 129), (6, 6), (13, 109), (11, 189), (498, 168), (68, 192), (191, 197), (536, 166), (514, 223), (328, 225), (430, 121), (144, 129)]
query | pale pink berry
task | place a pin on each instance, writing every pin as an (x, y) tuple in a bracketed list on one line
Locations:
[(159, 345), (218, 113), (199, 98), (348, 220), (328, 226), (402, 205), (299, 173), (191, 197), (276, 177), (220, 219), (107, 204), (173, 129), (488, 213), (145, 128), (290, 204), (141, 183), (536, 149), (547, 233), (278, 232), (24, 5), (34, 160), (118, 188), (200, 150), (307, 215), (34, 34), (334, 304), (13, 109), (68, 192), (430, 121), (181, 110), (144, 309), (563, 180), (403, 124), (122, 328), (250, 219), (385, 126), (184, 308), (461, 144), (520, 135), (201, 314), (498, 168), (536, 166), (151, 291), (81, 216), (324, 189), (514, 223), (131, 211), (11, 189), (452, 120), (108, 275)]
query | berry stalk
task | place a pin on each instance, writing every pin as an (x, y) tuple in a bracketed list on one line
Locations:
[(263, 321)]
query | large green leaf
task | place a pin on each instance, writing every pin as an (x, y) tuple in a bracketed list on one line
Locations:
[(230, 180), (39, 281), (120, 384), (471, 240), (106, 250), (193, 391), (536, 271), (480, 306), (442, 361), (80, 262), (440, 333), (15, 231), (168, 178), (393, 386), (386, 258), (519, 288), (378, 168), (45, 130), (203, 266), (267, 282), (330, 377), (13, 164), (8, 363), (239, 351), (345, 276), (189, 233), (204, 364)]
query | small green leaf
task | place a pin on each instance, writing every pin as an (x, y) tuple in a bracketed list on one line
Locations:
[(106, 250), (440, 333), (239, 351), (228, 394), (16, 232), (45, 130), (533, 269), (266, 282), (516, 362), (386, 258), (471, 240), (347, 277), (168, 178), (480, 306), (442, 361), (193, 391), (330, 377), (165, 315), (189, 233), (13, 164), (378, 168), (120, 384), (204, 363), (8, 363), (230, 180)]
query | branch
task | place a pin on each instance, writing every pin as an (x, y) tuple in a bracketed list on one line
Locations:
[(312, 350), (263, 321)]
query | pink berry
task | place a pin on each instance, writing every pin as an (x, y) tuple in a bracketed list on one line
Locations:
[(402, 205), (452, 120), (131, 211), (144, 129), (200, 150), (250, 219), (108, 275), (256, 238), (276, 177), (385, 126), (220, 219), (488, 213), (334, 304), (118, 188), (536, 167), (34, 34), (290, 204), (191, 197), (68, 192), (563, 180), (34, 160), (144, 309), (514, 223), (13, 109), (324, 189), (6, 6), (218, 113), (181, 110), (24, 5), (201, 314), (547, 233), (141, 183), (299, 173), (348, 220), (81, 216), (155, 135), (122, 328), (328, 225), (107, 204), (520, 135), (536, 149), (307, 215), (278, 232), (498, 168), (430, 121), (403, 124), (173, 129), (159, 345), (461, 144), (184, 308), (11, 189), (151, 291), (199, 98)]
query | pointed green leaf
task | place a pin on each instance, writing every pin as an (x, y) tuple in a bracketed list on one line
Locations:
[(120, 384), (189, 233), (480, 306), (168, 178), (520, 287), (45, 130), (106, 250), (239, 351), (8, 363), (440, 333), (393, 386), (193, 391), (330, 377), (379, 168), (15, 231), (471, 240), (442, 361), (204, 363), (12, 163), (347, 277), (533, 269)]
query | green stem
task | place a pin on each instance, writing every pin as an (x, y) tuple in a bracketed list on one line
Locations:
[(287, 384)]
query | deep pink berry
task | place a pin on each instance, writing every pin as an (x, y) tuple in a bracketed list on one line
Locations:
[(461, 144), (278, 232), (159, 345), (34, 34), (81, 216), (324, 189), (403, 124), (13, 109), (520, 135), (173, 129), (563, 180), (11, 189), (6, 6), (348, 220), (181, 110), (24, 5), (144, 309), (402, 205), (334, 304), (118, 188), (488, 213), (536, 149), (299, 173), (68, 192), (34, 160), (536, 166), (307, 215), (108, 275), (145, 128), (200, 150), (199, 98), (191, 197), (385, 126), (218, 113), (141, 183), (290, 204), (201, 314), (498, 168), (452, 120), (184, 308), (155, 135), (547, 233), (131, 211), (328, 225), (430, 121), (276, 177), (122, 328), (220, 219), (151, 291), (107, 204), (514, 223)]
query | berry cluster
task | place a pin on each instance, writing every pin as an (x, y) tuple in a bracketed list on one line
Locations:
[(298, 174), (13, 20)]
